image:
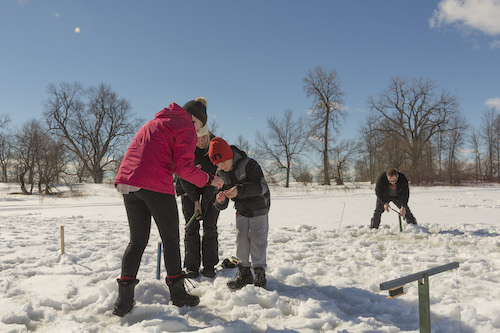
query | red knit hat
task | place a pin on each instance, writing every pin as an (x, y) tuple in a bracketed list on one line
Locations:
[(219, 151)]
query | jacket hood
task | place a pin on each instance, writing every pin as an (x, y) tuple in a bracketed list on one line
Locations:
[(238, 154), (171, 111)]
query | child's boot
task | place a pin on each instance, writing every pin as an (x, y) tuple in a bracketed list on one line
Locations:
[(243, 277), (125, 301), (209, 272), (178, 294), (259, 279)]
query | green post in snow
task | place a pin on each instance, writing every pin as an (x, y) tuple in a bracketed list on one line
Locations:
[(424, 305), (395, 288)]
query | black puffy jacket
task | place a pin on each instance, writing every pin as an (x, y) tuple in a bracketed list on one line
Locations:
[(254, 198), (382, 189), (193, 192)]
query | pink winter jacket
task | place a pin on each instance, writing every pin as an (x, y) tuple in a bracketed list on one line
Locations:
[(163, 146)]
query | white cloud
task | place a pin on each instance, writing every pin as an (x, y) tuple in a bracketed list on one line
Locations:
[(495, 44), (482, 15), (493, 103)]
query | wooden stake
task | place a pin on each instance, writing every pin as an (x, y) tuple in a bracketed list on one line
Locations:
[(62, 239)]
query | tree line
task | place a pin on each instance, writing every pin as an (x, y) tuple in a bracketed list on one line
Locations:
[(83, 135), (413, 125)]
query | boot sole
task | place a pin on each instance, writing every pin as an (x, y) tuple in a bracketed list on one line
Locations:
[(238, 287), (122, 313), (185, 304)]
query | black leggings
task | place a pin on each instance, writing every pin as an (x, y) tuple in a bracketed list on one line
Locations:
[(140, 206)]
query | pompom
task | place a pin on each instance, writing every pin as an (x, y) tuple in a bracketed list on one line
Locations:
[(202, 99)]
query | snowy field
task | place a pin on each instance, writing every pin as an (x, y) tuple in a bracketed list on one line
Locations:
[(324, 265)]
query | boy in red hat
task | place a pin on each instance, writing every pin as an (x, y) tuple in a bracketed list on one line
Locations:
[(244, 183)]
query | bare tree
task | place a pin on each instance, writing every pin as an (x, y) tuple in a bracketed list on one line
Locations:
[(302, 172), (496, 143), (39, 158), (213, 126), (27, 142), (5, 156), (475, 142), (93, 129), (327, 110), (371, 145), (51, 162), (453, 140), (412, 112), (343, 154), (378, 150), (285, 140), (243, 144), (5, 147), (488, 135)]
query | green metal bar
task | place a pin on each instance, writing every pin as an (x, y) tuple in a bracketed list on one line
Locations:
[(424, 305), (417, 276)]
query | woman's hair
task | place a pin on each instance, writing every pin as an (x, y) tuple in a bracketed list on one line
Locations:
[(207, 140)]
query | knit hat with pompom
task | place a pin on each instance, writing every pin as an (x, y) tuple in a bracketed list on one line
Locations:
[(197, 108)]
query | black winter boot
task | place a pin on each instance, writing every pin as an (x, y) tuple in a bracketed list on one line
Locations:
[(411, 220), (259, 279), (209, 272), (192, 273), (375, 222), (178, 294), (125, 301), (243, 277)]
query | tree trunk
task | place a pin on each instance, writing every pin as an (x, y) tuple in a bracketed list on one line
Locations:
[(340, 181), (287, 174), (23, 184), (326, 171), (97, 175)]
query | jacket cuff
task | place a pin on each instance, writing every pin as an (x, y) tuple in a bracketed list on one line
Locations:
[(210, 179)]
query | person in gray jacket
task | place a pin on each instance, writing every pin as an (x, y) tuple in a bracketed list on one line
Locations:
[(244, 183)]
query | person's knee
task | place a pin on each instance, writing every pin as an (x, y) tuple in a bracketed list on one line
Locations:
[(137, 245)]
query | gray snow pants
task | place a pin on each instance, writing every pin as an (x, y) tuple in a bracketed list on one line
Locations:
[(251, 240)]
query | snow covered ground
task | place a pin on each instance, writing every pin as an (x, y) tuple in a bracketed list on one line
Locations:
[(325, 265)]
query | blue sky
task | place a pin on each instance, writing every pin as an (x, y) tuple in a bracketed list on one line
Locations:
[(248, 58)]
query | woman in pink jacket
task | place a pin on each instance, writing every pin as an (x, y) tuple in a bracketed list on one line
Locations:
[(162, 147)]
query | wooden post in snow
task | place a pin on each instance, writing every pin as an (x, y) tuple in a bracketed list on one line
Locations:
[(62, 239)]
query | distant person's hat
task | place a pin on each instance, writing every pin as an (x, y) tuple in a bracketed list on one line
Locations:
[(219, 151), (197, 108)]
